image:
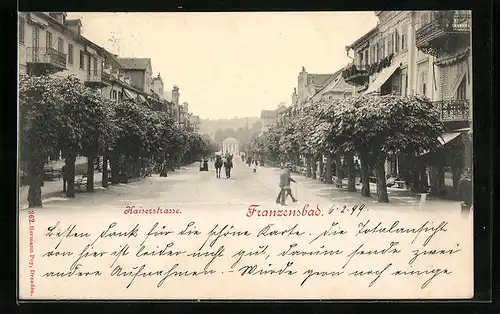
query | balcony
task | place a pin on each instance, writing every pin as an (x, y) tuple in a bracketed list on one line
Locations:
[(445, 30), (94, 80), (453, 110), (42, 60), (356, 75)]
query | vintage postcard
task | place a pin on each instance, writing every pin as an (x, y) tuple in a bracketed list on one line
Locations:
[(257, 155)]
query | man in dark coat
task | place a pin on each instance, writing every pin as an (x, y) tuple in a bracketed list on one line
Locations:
[(285, 189)]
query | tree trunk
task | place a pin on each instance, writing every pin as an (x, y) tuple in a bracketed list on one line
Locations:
[(314, 167), (365, 175), (70, 167), (115, 167), (415, 181), (104, 171), (383, 197), (90, 173), (338, 169), (308, 166), (351, 176), (321, 166), (328, 169), (35, 179)]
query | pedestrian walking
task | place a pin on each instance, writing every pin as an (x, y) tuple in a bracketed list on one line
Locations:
[(285, 189), (465, 191), (254, 166)]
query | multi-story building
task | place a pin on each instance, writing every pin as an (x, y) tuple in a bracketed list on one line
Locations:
[(410, 52), (445, 37), (268, 117), (308, 84), (50, 44), (336, 87), (140, 72)]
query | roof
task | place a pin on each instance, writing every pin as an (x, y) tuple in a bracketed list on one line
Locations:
[(73, 22), (319, 79), (134, 63), (230, 140), (364, 37)]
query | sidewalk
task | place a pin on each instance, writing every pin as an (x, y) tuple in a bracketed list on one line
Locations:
[(310, 189), (52, 189)]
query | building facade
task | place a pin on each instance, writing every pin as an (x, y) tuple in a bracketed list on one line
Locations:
[(426, 53), (50, 44), (308, 84), (230, 146)]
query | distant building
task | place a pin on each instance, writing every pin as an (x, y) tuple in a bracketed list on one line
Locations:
[(308, 85), (268, 117), (140, 72), (230, 146)]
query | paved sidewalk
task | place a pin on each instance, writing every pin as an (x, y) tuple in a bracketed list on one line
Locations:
[(310, 189), (53, 189)]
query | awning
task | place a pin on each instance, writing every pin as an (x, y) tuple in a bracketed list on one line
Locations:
[(448, 137), (38, 20), (458, 80), (128, 94), (384, 75), (445, 139)]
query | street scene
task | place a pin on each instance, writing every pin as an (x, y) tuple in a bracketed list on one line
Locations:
[(103, 122)]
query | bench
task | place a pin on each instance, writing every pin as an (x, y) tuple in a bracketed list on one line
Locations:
[(81, 181), (400, 184)]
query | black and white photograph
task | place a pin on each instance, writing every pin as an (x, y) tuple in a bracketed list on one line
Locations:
[(227, 155)]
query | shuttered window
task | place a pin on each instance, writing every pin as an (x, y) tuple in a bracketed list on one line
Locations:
[(22, 26)]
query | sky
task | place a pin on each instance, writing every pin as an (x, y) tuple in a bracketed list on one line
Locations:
[(231, 64)]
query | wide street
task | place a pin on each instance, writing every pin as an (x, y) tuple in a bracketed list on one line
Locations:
[(190, 188)]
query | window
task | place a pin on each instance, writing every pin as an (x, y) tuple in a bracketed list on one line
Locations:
[(120, 96), (396, 84), (114, 95), (22, 25), (60, 44), (95, 65), (462, 91), (82, 60), (360, 59), (404, 84), (404, 38), (396, 41), (366, 57), (49, 40), (373, 51), (423, 83), (424, 19), (70, 53), (390, 46), (381, 47)]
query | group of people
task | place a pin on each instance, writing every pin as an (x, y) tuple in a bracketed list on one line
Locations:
[(226, 162)]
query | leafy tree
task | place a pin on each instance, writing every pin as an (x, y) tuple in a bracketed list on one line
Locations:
[(379, 126), (39, 123)]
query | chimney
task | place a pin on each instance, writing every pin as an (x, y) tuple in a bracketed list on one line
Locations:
[(175, 95), (127, 79), (75, 26)]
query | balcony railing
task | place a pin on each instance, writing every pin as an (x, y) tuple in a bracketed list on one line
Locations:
[(44, 55), (453, 110), (442, 24), (356, 75)]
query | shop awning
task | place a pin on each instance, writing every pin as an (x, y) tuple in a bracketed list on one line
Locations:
[(384, 75), (445, 139), (128, 94)]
